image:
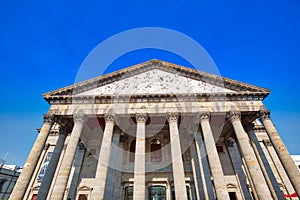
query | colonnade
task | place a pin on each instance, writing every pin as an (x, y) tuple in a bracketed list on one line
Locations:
[(258, 181)]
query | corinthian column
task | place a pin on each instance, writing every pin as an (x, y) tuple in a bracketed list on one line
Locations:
[(47, 180), (65, 168), (213, 158), (177, 163), (259, 182), (282, 151), (30, 165), (103, 160), (139, 189)]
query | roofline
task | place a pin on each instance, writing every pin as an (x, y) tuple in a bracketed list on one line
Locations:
[(145, 66)]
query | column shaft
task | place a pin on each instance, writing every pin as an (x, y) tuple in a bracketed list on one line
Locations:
[(78, 160), (30, 165), (47, 180), (213, 158), (282, 151), (103, 160), (196, 173), (265, 166), (237, 165), (139, 189), (177, 163), (112, 189), (259, 182), (204, 168), (65, 168)]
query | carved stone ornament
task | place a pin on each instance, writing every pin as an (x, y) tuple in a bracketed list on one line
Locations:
[(172, 117), (79, 118), (264, 114), (50, 118), (141, 117), (235, 115), (109, 118), (204, 116)]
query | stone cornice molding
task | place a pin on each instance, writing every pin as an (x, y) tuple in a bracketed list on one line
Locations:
[(200, 97), (234, 116), (172, 117), (141, 117), (264, 115), (240, 87)]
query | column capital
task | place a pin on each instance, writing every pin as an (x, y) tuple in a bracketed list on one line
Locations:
[(204, 116), (141, 117), (172, 117), (109, 118), (80, 118), (264, 114), (50, 118), (234, 115)]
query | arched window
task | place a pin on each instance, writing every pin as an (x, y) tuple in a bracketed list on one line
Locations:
[(155, 150), (132, 151)]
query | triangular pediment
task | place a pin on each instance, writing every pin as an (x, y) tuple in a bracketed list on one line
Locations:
[(156, 77), (155, 82)]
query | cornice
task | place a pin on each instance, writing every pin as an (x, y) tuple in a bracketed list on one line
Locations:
[(243, 89), (203, 97)]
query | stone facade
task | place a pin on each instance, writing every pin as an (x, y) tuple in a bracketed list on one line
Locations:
[(158, 131)]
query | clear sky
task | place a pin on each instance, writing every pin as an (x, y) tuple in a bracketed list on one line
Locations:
[(43, 45)]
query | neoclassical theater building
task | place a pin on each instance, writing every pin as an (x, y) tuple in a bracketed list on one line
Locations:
[(158, 131)]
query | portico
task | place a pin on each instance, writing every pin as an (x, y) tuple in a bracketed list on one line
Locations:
[(155, 130)]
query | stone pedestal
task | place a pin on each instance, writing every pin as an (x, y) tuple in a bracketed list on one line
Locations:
[(213, 158), (30, 165), (177, 163), (139, 189)]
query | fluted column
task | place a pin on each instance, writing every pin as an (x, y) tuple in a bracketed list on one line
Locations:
[(139, 189), (213, 158), (259, 182), (65, 168), (177, 163), (47, 179), (103, 160), (30, 165), (281, 150)]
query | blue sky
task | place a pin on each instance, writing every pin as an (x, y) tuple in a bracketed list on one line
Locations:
[(43, 45)]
